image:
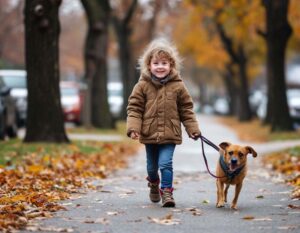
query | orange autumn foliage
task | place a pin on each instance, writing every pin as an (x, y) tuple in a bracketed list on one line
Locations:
[(33, 187), (198, 37)]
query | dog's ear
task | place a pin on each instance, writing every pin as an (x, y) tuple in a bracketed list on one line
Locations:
[(251, 151), (224, 145)]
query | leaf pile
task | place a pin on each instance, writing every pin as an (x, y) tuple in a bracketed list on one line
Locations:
[(287, 163), (32, 188)]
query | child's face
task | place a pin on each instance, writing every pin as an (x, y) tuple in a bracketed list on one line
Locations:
[(160, 67)]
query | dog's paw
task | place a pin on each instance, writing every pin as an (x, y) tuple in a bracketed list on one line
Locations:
[(220, 205), (233, 207)]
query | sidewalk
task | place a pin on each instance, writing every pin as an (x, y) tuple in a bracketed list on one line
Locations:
[(120, 204)]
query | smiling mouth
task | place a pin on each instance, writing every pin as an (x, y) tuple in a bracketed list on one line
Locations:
[(233, 167)]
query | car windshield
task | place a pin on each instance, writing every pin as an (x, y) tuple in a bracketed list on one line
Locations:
[(294, 93), (115, 92), (15, 81), (69, 91)]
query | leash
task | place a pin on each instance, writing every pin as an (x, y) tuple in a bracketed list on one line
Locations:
[(208, 142)]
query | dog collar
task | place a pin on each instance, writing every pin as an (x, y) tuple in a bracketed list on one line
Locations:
[(228, 173)]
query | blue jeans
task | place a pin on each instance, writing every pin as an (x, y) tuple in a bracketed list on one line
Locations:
[(160, 156)]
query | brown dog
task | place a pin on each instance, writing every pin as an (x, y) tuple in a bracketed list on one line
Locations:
[(232, 169)]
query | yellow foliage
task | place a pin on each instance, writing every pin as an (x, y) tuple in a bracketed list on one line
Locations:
[(197, 34), (294, 16), (35, 168)]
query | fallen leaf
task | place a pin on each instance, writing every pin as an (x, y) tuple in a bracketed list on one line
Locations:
[(105, 191), (294, 206), (195, 211), (89, 221), (103, 221), (296, 193), (248, 217), (167, 220), (110, 213)]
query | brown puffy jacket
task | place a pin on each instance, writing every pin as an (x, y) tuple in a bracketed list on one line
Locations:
[(156, 111)]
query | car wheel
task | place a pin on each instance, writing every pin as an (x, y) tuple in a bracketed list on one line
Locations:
[(2, 128), (12, 131), (2, 135), (77, 123)]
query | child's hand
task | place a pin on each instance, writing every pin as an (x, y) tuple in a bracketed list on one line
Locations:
[(195, 136), (134, 135)]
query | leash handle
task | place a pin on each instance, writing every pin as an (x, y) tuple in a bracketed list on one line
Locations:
[(208, 142)]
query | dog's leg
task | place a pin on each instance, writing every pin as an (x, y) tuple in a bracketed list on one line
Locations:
[(226, 191), (220, 193), (238, 188)]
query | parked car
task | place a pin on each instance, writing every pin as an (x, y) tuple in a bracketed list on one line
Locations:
[(221, 106), (16, 81), (8, 113), (293, 98), (72, 101), (115, 97), (255, 99)]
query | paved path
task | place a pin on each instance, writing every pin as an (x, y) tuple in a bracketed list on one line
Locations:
[(121, 202)]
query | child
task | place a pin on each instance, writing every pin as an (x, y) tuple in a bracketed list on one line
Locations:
[(156, 107)]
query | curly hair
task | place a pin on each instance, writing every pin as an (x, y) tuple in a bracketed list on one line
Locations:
[(163, 49)]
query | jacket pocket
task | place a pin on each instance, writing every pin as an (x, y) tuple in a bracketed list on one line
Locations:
[(146, 126), (170, 95), (176, 127)]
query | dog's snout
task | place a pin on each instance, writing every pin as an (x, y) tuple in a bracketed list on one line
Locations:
[(234, 160)]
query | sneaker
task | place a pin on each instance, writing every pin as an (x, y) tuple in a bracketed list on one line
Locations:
[(154, 193), (167, 197)]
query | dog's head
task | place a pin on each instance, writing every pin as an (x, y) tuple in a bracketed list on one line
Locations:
[(235, 155)]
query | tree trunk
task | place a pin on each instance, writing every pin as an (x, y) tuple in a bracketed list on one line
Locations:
[(128, 74), (96, 107), (245, 113), (277, 34), (238, 58), (127, 69), (44, 116), (231, 88)]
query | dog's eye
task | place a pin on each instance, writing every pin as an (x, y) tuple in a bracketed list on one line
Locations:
[(241, 154), (230, 153)]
